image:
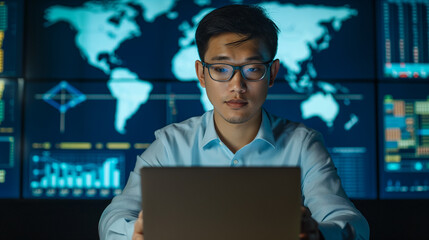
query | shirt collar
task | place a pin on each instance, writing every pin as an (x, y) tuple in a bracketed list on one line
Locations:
[(210, 134), (265, 132)]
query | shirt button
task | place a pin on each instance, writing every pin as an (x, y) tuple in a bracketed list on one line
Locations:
[(235, 161)]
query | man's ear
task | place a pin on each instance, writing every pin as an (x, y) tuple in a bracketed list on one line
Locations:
[(199, 68), (275, 66)]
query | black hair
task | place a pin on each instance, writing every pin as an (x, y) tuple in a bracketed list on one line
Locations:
[(248, 20)]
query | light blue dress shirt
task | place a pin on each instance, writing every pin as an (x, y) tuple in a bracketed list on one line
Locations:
[(279, 142)]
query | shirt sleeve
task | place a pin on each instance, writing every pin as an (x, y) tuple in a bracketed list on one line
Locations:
[(117, 220), (323, 194)]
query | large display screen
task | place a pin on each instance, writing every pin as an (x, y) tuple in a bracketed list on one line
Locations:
[(404, 140), (92, 39), (403, 39), (10, 137), (81, 141)]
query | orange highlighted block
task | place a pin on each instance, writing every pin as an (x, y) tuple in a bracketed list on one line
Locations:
[(423, 150), (393, 134), (398, 108)]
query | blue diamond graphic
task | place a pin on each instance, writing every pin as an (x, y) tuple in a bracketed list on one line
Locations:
[(74, 95)]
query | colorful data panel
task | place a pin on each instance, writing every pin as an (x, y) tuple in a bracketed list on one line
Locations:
[(403, 39), (404, 140), (11, 34)]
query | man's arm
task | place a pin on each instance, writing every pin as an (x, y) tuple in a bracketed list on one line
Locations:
[(324, 195), (118, 219)]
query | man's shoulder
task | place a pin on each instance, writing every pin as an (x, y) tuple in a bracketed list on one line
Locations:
[(281, 124), (289, 132)]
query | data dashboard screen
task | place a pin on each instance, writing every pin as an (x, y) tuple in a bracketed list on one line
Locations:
[(11, 33), (344, 113), (10, 137), (404, 140), (403, 39), (80, 138)]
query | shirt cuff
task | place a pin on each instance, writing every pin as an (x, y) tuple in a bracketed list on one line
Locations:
[(121, 227), (330, 230)]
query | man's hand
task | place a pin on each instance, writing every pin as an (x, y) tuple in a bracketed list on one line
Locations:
[(309, 226), (138, 228)]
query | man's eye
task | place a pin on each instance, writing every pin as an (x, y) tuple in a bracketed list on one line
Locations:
[(220, 69), (254, 69)]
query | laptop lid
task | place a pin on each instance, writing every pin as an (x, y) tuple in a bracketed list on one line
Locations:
[(221, 203)]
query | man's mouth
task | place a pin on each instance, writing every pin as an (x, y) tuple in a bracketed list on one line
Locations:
[(236, 103)]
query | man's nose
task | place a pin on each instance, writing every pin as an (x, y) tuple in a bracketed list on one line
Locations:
[(237, 82)]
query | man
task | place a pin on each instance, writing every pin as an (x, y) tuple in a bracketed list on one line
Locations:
[(237, 45)]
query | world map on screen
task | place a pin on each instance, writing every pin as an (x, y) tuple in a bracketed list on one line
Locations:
[(102, 27)]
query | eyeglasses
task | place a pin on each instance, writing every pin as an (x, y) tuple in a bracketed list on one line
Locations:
[(223, 72)]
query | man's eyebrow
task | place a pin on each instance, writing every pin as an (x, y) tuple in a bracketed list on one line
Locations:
[(220, 58)]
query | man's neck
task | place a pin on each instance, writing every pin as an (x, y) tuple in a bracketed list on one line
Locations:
[(235, 136)]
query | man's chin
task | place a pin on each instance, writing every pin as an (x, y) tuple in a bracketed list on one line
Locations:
[(237, 119)]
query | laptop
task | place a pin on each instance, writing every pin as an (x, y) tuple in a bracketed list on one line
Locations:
[(221, 203)]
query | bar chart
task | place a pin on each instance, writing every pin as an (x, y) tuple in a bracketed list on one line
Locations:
[(76, 175), (404, 29)]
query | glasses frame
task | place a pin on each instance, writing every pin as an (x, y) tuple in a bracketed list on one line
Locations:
[(234, 68)]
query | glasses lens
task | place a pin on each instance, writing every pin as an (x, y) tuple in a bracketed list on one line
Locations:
[(220, 72), (254, 71)]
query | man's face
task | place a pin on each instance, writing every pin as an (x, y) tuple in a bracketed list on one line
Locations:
[(237, 101)]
